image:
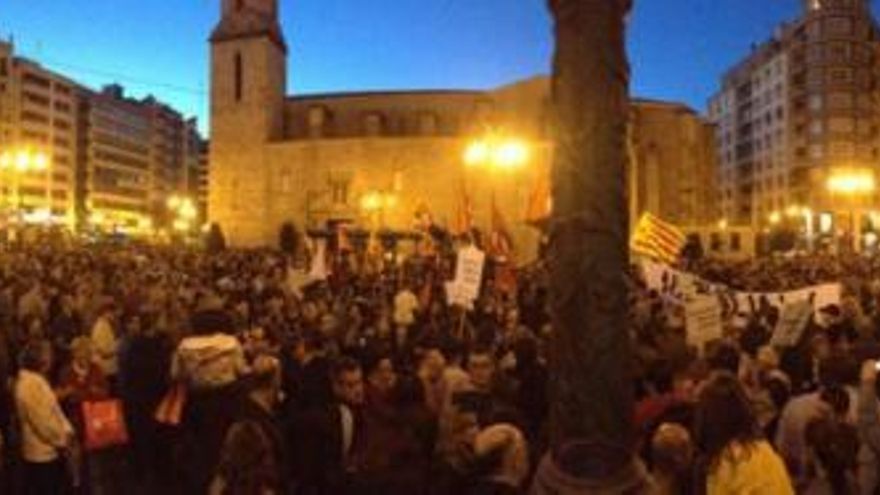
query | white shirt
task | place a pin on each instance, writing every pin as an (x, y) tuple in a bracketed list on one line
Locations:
[(347, 419), (106, 346), (44, 427)]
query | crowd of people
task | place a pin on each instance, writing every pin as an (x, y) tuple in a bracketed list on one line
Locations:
[(231, 375)]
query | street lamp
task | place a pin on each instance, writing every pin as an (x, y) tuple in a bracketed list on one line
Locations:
[(852, 184), (497, 152), (375, 203), (184, 211), (17, 163)]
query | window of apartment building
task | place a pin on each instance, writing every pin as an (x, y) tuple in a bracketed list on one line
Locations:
[(840, 101), (841, 149), (841, 76), (815, 103), (36, 80), (839, 26), (61, 124), (62, 107), (815, 77), (4, 66), (817, 151), (814, 55), (838, 52), (841, 125), (61, 89), (36, 99), (35, 137), (29, 116)]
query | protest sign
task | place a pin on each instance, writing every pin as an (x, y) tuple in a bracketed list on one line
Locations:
[(469, 272), (703, 320), (792, 322)]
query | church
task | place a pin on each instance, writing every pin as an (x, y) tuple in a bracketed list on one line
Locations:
[(378, 160)]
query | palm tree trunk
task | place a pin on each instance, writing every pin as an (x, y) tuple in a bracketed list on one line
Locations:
[(591, 384)]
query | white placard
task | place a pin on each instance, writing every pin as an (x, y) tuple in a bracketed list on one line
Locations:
[(703, 320), (469, 272)]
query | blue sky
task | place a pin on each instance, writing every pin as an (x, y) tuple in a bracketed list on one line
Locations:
[(678, 48)]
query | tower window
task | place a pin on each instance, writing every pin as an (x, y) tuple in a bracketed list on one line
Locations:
[(239, 76)]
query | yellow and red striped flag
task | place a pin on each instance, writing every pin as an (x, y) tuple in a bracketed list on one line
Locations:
[(657, 239)]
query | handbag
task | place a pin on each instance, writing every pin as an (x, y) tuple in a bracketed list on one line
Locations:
[(104, 424), (170, 409)]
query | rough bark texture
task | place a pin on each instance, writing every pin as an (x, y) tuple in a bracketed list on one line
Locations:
[(591, 384)]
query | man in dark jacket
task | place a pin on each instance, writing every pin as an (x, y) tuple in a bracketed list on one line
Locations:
[(330, 436)]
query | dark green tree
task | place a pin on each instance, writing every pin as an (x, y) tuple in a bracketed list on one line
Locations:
[(288, 238), (216, 240)]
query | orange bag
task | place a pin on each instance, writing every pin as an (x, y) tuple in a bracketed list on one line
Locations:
[(170, 409), (104, 424)]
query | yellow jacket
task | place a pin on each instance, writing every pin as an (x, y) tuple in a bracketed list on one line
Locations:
[(749, 469)]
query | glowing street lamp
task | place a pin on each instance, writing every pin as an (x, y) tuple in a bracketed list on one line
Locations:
[(501, 153), (775, 218), (852, 183)]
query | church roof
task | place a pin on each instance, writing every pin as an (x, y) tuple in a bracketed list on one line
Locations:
[(247, 24)]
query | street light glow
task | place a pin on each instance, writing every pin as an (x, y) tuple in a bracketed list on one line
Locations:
[(40, 161), (504, 154), (477, 153), (852, 182), (775, 218), (511, 154)]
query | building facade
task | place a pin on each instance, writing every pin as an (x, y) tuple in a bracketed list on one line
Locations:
[(800, 108), (313, 159), (112, 161), (39, 112)]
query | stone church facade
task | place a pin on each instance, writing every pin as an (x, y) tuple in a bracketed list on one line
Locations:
[(312, 159)]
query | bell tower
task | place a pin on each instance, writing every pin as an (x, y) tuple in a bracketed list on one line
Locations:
[(248, 89), (248, 71)]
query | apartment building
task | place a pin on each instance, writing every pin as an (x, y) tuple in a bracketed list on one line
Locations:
[(801, 107), (38, 117)]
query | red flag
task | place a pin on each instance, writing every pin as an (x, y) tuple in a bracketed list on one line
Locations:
[(343, 243), (500, 240), (540, 203)]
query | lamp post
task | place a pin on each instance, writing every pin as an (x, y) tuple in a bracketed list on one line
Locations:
[(374, 204), (17, 163), (184, 213), (497, 152), (852, 184)]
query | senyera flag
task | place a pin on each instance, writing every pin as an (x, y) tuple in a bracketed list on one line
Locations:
[(657, 239)]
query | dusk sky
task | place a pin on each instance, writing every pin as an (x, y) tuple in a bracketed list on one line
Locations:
[(678, 48)]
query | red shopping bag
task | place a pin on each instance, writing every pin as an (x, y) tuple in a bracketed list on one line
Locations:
[(170, 409), (104, 424)]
